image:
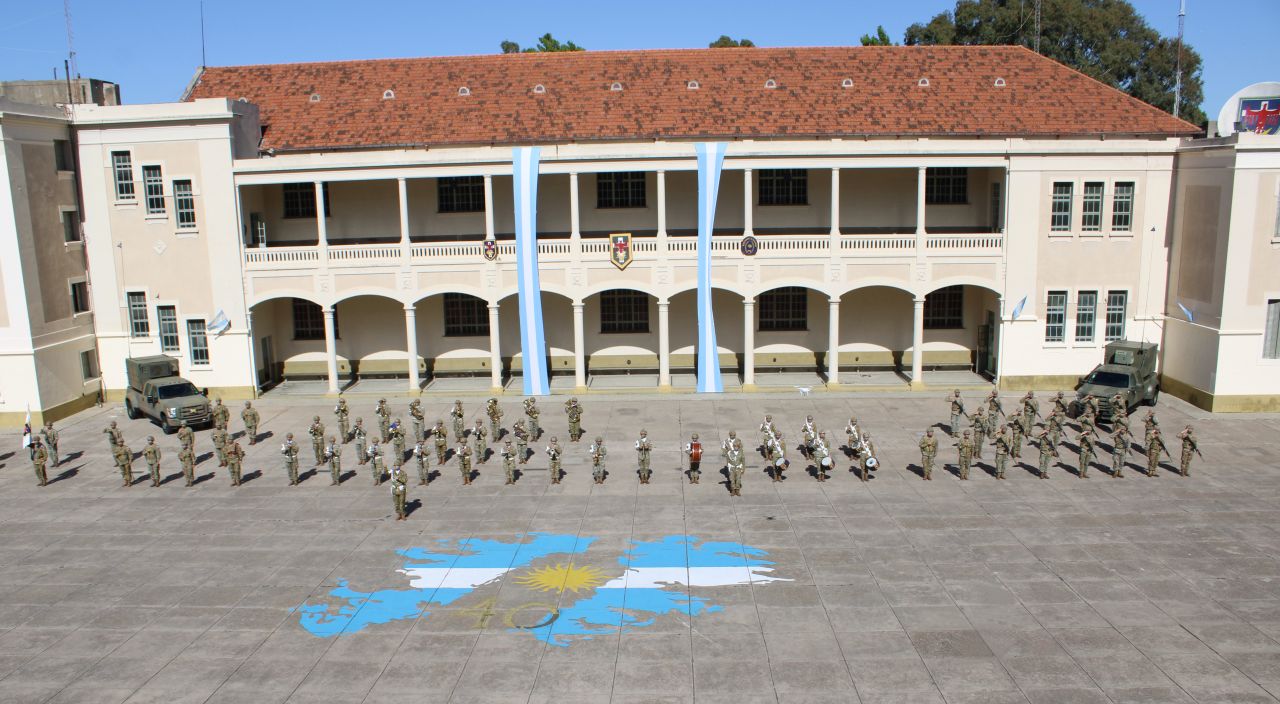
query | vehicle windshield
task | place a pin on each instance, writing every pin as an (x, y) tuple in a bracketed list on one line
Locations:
[(178, 390), (1115, 379)]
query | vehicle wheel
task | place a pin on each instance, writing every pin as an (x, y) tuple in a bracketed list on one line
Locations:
[(168, 429), (1155, 394), (130, 411)]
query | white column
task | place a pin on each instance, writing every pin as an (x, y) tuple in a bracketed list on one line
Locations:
[(330, 349), (495, 352), (999, 338), (833, 341), (835, 202), (402, 187), (747, 206), (574, 230), (748, 342), (488, 206), (322, 230), (579, 348), (662, 210), (917, 344), (664, 345), (411, 339), (920, 234)]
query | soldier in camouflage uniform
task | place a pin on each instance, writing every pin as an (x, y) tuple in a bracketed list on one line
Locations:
[(458, 418), (1150, 423), (574, 411), (1189, 447), (928, 453), (1060, 404), (375, 461), (317, 439), (399, 492), (235, 460), (384, 420), (522, 441), (1054, 424), (995, 408), (978, 426), (361, 436), (481, 437), (644, 448), (864, 456), (1048, 450), (151, 453), (494, 411), (187, 459), (1119, 449), (1155, 445), (221, 415), (289, 450), (441, 439), (531, 411), (219, 437), (39, 456), (415, 415), (333, 453), (736, 460), (397, 441), (1085, 441), (553, 456), (464, 464), (957, 410), (114, 436), (1017, 432), (509, 460), (821, 452), (124, 461), (964, 449), (50, 437), (1004, 444), (598, 455), (1030, 410), (420, 455), (343, 413), (249, 416), (186, 437)]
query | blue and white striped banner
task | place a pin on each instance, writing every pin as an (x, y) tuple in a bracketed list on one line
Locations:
[(524, 179), (710, 159)]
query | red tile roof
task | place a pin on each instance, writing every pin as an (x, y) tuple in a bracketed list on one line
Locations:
[(340, 104)]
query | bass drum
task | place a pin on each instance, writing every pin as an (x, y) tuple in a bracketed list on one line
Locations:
[(873, 464), (826, 462)]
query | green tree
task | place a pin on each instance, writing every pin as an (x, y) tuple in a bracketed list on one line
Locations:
[(546, 43), (1105, 39), (726, 41), (881, 38)]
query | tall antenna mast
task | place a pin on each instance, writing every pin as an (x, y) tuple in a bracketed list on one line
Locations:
[(71, 49), (203, 62), (1177, 74), (1037, 45)]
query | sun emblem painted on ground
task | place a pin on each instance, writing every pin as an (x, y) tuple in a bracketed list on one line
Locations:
[(578, 597)]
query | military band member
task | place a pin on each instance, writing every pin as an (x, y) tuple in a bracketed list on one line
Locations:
[(928, 452), (1017, 432), (1048, 450), (459, 418), (694, 450), (397, 441), (361, 436), (50, 438), (767, 431), (151, 453), (39, 457), (1085, 441), (822, 455), (464, 465), (1119, 449), (643, 450), (114, 436), (553, 456), (374, 454), (736, 460), (727, 444), (1004, 444), (1060, 404), (420, 456), (343, 416), (776, 452), (995, 408), (290, 452), (249, 416), (235, 460), (853, 435), (333, 453), (384, 420), (441, 439), (124, 462), (808, 436), (186, 438), (316, 431), (978, 424), (399, 492), (598, 456), (509, 460), (1030, 410), (415, 415), (531, 411), (494, 411), (964, 450), (221, 415), (219, 437), (574, 411), (187, 459), (1189, 447), (865, 454), (1155, 445), (956, 406), (481, 437), (522, 441)]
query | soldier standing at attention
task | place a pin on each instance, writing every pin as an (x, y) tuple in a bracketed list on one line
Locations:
[(1054, 424), (1189, 447), (187, 459), (333, 453), (531, 410), (361, 437), (598, 455), (978, 424), (317, 439), (1091, 403), (574, 410), (481, 439), (822, 455), (957, 410), (1119, 409), (1085, 440), (767, 432), (249, 416), (994, 407), (50, 442), (1048, 450), (420, 454), (458, 417), (397, 441), (928, 451), (1119, 449), (441, 437), (290, 452), (399, 491), (235, 460), (1003, 444), (1151, 423), (509, 460), (415, 415), (151, 453), (694, 450), (221, 415), (1087, 423), (522, 441), (186, 438), (39, 457), (1060, 404), (114, 436), (494, 411), (736, 461), (384, 420), (1030, 409), (776, 453), (343, 413), (964, 447), (853, 435), (864, 457), (464, 464), (643, 450), (1155, 445), (553, 455), (124, 461), (1016, 434), (219, 438), (375, 461)]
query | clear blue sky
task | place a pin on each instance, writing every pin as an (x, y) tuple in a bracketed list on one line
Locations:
[(152, 48)]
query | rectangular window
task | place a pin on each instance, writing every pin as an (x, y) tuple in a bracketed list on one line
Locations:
[(139, 326), (88, 365), (308, 320), (153, 189), (1271, 341), (1117, 309), (184, 204), (946, 186), (197, 342), (1055, 317), (80, 297), (460, 194), (70, 226), (1091, 214), (62, 155), (1061, 214), (167, 319), (784, 187), (1086, 315), (300, 200), (784, 309), (624, 189), (944, 309), (122, 168), (465, 316), (1122, 207), (624, 311)]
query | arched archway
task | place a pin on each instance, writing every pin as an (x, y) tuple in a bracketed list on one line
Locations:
[(875, 334), (452, 331), (621, 337), (557, 333), (792, 334), (289, 340), (728, 311), (372, 336), (961, 322)]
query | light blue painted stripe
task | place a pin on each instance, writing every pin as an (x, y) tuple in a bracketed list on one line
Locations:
[(710, 159), (524, 173)]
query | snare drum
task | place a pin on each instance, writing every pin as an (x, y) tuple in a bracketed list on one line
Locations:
[(781, 463), (872, 463), (826, 462)]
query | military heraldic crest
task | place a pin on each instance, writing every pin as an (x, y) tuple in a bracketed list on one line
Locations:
[(490, 250), (620, 249), (1260, 115)]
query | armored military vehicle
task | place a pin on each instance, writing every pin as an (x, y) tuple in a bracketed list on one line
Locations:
[(1128, 368)]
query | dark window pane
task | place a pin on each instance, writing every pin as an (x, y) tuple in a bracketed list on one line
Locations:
[(623, 311)]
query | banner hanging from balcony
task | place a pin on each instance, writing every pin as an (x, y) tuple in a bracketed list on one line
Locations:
[(524, 179), (710, 159)]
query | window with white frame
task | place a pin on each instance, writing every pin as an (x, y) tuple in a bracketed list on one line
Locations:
[(1086, 315), (946, 186), (465, 316), (944, 309), (308, 320), (1271, 341), (1091, 212), (122, 169), (80, 297), (167, 320), (1055, 317), (88, 365), (460, 194), (197, 341), (1117, 310), (153, 189), (300, 200), (1122, 207), (784, 309), (70, 226), (624, 189), (624, 311), (139, 325), (1060, 216), (184, 205), (784, 187)]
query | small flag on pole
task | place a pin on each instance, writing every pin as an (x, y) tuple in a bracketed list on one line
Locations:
[(1191, 318), (26, 430), (1017, 310)]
